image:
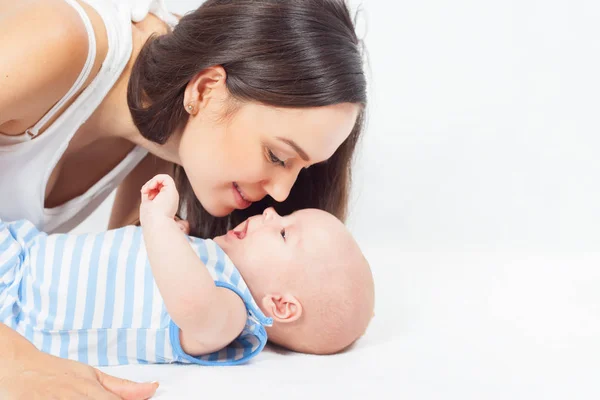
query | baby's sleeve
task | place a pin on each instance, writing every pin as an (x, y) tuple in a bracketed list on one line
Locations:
[(247, 345)]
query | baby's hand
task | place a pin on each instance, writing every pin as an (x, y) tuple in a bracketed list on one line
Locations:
[(160, 197)]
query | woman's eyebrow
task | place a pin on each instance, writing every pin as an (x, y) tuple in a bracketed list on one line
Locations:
[(297, 148)]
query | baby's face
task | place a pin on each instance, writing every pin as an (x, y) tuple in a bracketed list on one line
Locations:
[(268, 249), (304, 264)]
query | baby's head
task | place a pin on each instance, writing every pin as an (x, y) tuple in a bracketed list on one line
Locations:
[(307, 273)]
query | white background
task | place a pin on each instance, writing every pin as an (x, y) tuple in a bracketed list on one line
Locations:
[(476, 196), (483, 125)]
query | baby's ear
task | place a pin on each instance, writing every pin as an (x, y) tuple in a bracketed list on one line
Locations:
[(282, 308)]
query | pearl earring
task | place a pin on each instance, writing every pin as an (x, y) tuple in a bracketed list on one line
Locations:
[(190, 107)]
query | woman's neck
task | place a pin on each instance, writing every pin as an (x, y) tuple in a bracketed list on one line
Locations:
[(113, 119)]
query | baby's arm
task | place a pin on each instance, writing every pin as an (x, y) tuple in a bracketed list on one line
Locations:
[(209, 317)]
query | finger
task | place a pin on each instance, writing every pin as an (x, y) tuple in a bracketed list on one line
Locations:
[(149, 186), (155, 190), (97, 392), (154, 184), (126, 389), (165, 180), (88, 388), (146, 195)]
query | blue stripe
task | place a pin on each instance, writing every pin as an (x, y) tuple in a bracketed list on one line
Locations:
[(32, 233), (46, 341), (129, 279), (247, 346), (203, 251), (14, 227), (122, 346), (230, 353), (57, 265), (22, 293), (82, 350), (102, 347), (28, 332), (23, 296), (65, 339), (220, 267), (39, 278), (73, 282), (111, 277), (13, 262), (90, 298), (235, 277), (213, 356)]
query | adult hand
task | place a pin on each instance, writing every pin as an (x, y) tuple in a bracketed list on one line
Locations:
[(31, 374)]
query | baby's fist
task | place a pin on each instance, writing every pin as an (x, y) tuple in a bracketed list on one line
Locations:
[(160, 196)]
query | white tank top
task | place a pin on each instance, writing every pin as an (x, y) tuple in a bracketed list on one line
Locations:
[(26, 161)]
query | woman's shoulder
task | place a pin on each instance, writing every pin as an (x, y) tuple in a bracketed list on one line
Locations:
[(45, 46)]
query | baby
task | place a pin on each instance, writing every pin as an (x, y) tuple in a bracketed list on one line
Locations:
[(155, 295)]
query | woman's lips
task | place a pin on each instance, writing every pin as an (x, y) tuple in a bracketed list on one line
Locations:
[(240, 198)]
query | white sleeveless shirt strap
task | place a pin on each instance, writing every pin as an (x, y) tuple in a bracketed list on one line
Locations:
[(83, 75)]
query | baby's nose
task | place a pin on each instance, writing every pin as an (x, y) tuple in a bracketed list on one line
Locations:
[(270, 213)]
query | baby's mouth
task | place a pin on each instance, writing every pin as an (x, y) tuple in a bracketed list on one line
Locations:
[(240, 234)]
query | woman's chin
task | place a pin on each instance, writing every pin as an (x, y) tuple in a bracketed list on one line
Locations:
[(218, 210)]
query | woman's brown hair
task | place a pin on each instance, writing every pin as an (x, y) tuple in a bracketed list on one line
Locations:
[(282, 53)]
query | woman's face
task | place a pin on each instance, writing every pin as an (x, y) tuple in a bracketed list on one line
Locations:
[(258, 150)]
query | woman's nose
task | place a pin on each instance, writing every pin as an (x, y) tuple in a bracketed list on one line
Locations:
[(279, 188)]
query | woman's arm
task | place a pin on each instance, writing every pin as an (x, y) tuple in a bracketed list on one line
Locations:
[(44, 46), (209, 317)]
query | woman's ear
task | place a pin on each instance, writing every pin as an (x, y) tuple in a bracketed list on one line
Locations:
[(282, 308), (203, 86)]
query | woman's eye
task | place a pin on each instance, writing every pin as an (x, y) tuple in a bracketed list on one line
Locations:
[(283, 234), (275, 160)]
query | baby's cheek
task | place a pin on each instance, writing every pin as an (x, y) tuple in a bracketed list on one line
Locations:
[(255, 258)]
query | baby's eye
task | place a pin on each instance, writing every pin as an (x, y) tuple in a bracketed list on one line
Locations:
[(283, 234)]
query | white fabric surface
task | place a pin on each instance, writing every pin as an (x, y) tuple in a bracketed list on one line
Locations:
[(447, 326)]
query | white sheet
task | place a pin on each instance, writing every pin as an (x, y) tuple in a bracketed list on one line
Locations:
[(447, 326)]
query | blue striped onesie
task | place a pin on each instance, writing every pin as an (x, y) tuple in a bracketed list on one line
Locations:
[(92, 298)]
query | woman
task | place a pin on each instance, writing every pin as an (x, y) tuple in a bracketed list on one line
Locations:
[(255, 103)]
